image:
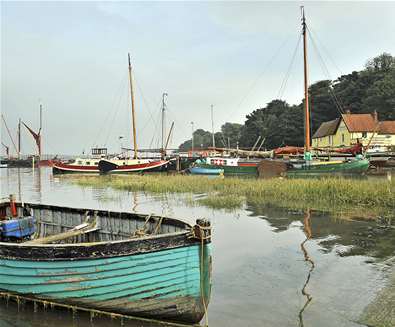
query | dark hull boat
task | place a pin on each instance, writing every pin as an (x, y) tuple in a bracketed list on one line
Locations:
[(131, 165), (132, 264)]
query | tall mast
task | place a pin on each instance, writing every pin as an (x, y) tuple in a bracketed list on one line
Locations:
[(133, 113), (19, 138), (212, 125), (39, 131), (306, 86), (163, 121)]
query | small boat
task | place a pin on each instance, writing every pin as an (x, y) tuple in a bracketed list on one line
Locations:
[(197, 170), (230, 166), (116, 262), (135, 164)]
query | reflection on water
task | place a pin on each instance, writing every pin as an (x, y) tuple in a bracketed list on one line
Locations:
[(260, 255), (309, 234)]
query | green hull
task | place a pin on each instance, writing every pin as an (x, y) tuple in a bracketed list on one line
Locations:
[(351, 167)]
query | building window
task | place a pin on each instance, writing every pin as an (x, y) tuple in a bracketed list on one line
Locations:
[(342, 138), (88, 162), (364, 134)]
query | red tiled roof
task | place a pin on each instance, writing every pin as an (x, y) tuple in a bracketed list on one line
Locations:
[(359, 122), (387, 127), (327, 128)]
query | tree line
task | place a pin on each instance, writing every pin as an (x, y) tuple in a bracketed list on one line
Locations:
[(280, 123)]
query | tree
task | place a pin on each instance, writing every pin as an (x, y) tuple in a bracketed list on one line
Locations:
[(231, 132), (280, 124)]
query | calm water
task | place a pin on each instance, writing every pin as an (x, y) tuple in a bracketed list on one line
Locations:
[(259, 267)]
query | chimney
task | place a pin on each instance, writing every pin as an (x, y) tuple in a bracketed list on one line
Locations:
[(375, 116)]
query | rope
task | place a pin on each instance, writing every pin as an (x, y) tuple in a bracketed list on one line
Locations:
[(203, 233), (142, 231), (288, 73), (202, 281), (266, 68), (338, 103)]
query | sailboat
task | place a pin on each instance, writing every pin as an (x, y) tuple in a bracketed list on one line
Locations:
[(135, 164), (356, 165)]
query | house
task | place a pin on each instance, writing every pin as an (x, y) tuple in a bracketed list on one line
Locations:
[(350, 128), (387, 132)]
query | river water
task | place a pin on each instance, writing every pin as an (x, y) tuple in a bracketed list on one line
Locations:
[(261, 275)]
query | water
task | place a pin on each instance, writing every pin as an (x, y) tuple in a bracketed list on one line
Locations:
[(259, 267)]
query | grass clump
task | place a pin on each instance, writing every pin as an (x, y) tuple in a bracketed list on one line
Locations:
[(331, 193)]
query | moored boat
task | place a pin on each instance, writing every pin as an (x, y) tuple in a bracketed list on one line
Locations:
[(357, 166), (132, 264), (230, 166), (198, 170), (310, 166), (130, 165), (81, 165)]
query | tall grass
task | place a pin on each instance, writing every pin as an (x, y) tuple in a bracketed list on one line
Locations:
[(335, 193)]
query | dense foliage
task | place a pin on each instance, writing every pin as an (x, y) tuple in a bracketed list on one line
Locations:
[(282, 124)]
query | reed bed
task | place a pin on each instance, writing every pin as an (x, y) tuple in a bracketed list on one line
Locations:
[(377, 195)]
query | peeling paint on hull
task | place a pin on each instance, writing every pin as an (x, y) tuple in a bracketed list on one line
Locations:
[(160, 285)]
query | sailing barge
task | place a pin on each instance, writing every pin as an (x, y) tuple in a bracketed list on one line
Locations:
[(126, 263)]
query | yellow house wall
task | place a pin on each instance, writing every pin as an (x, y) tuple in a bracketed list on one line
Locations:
[(337, 140)]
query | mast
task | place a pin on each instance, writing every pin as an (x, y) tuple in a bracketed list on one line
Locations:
[(19, 138), (39, 131), (306, 86), (212, 126), (163, 121), (9, 133), (133, 113)]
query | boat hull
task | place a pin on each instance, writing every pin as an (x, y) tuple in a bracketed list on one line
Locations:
[(107, 166), (350, 167), (63, 168), (205, 170), (246, 169), (160, 285)]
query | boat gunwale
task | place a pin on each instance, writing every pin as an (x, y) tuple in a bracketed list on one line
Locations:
[(105, 249)]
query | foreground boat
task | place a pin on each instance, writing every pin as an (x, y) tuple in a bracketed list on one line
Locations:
[(132, 264)]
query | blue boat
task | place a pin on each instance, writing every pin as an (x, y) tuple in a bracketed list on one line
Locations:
[(205, 171), (131, 264)]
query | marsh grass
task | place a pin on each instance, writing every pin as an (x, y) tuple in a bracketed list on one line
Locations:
[(330, 194)]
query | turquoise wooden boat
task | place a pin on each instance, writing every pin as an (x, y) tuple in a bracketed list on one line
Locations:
[(132, 264)]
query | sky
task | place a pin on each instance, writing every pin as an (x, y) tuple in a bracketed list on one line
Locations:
[(72, 58)]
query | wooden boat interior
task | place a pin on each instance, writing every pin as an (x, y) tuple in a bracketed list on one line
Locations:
[(64, 225)]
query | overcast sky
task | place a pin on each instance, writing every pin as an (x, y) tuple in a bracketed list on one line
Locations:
[(72, 56)]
